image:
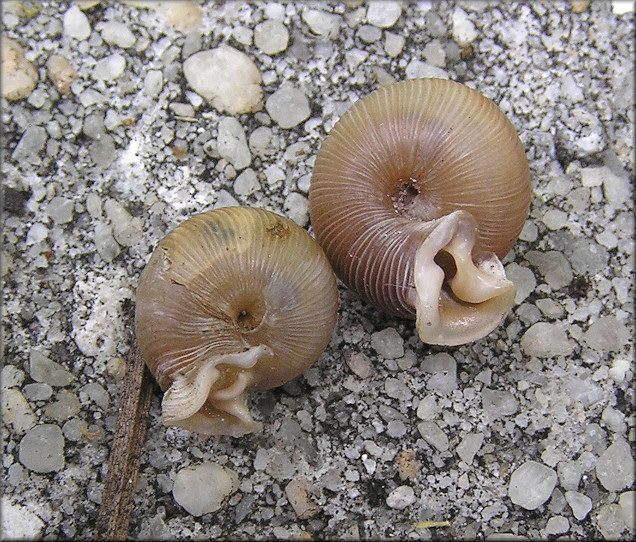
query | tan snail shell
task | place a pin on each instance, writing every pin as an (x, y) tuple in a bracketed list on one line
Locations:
[(416, 193), (231, 300)]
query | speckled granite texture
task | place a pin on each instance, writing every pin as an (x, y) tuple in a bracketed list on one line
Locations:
[(107, 146)]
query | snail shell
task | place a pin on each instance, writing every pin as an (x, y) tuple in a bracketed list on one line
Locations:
[(416, 193), (231, 300)]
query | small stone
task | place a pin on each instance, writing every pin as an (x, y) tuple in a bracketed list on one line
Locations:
[(369, 34), (227, 78), (97, 394), (393, 44), (297, 208), (469, 446), (232, 144), (434, 53), (360, 364), (19, 76), (11, 376), (271, 37), (531, 485), (60, 210), (37, 391), (36, 234), (524, 280), (153, 83), (225, 199), (61, 72), (117, 33), (321, 23), (30, 145), (18, 522), (203, 488), (569, 474), (417, 69), (607, 334), (626, 502), (427, 409), (556, 525), (183, 15), (109, 68), (610, 522), (42, 369), (16, 411), (443, 370), (397, 389), (579, 503), (383, 14), (182, 110), (614, 420), (615, 467), (546, 340), (464, 32), (65, 406), (553, 266), (288, 106), (432, 434), (388, 343), (42, 449), (401, 497), (498, 403), (105, 243), (76, 24), (127, 230), (297, 492), (246, 183), (263, 142), (396, 429)]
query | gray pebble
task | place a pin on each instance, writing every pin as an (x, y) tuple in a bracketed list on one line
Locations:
[(553, 266), (105, 243), (117, 33), (469, 446), (60, 210), (102, 151), (246, 183), (432, 434), (607, 334), (579, 503), (65, 406), (288, 106), (42, 369), (388, 343), (109, 68), (37, 391), (443, 370), (498, 403), (30, 145), (42, 449)]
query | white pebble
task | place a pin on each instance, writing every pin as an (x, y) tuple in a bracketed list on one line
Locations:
[(203, 488), (19, 523), (401, 497), (117, 33), (37, 233), (545, 340), (288, 106), (232, 144), (271, 37), (227, 78), (464, 32), (109, 68), (16, 411), (393, 44), (416, 69), (297, 207), (388, 343), (531, 485), (383, 13), (321, 23), (246, 183), (557, 525), (615, 467), (360, 364), (579, 503), (76, 24), (626, 502), (60, 210)]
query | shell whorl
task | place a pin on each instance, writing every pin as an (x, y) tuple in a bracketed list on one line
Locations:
[(232, 292), (399, 161)]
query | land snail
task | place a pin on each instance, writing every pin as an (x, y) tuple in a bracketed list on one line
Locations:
[(417, 192), (233, 299)]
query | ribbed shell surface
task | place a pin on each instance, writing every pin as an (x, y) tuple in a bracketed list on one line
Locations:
[(229, 279), (406, 154)]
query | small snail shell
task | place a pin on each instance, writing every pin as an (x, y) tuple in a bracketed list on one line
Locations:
[(416, 193), (231, 300)]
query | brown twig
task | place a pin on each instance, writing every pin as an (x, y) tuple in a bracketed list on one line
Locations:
[(125, 454)]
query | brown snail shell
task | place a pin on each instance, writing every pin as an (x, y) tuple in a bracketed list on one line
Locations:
[(416, 193), (231, 300)]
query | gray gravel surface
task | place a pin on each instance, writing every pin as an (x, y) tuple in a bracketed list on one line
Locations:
[(107, 145)]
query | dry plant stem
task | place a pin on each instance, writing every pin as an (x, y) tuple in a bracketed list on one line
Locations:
[(125, 454)]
